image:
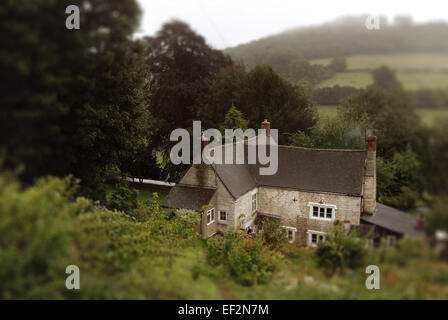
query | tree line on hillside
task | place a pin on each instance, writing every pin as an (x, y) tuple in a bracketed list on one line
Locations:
[(344, 37)]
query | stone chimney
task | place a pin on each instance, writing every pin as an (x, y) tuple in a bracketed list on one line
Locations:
[(369, 192), (267, 126), (420, 223)]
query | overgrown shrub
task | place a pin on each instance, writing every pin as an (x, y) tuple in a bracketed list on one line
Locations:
[(44, 228), (273, 235), (124, 199), (247, 259), (340, 250)]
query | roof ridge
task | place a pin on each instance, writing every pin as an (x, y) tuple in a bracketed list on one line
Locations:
[(322, 149)]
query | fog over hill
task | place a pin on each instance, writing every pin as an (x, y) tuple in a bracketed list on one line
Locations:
[(343, 37)]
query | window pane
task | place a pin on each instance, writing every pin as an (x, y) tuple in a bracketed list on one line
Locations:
[(322, 212), (315, 211), (321, 238), (223, 215), (208, 218), (313, 238), (329, 213)]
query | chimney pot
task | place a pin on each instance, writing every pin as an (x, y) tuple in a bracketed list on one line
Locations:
[(267, 126), (421, 223), (371, 143)]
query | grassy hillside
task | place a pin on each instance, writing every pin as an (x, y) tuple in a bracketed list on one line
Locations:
[(428, 116), (418, 53), (396, 61), (347, 37), (414, 70)]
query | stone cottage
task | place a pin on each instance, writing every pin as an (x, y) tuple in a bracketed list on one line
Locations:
[(311, 190)]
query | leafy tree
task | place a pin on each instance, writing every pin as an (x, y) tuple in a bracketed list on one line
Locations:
[(399, 180), (260, 94), (301, 70), (180, 61), (222, 90), (338, 64), (385, 78), (234, 119), (123, 199), (389, 113), (340, 250), (331, 95), (330, 134), (74, 101), (266, 95)]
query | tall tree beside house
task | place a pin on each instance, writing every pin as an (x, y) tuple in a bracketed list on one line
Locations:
[(221, 91), (180, 61), (234, 119), (260, 94), (73, 101), (266, 95), (390, 113)]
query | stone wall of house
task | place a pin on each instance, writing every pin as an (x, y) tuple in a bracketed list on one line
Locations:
[(243, 209), (293, 207), (221, 201)]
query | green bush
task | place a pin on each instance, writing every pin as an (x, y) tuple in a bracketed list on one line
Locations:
[(340, 250), (124, 199), (247, 259), (44, 228), (273, 234)]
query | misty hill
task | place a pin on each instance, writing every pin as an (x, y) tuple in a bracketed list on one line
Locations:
[(343, 37)]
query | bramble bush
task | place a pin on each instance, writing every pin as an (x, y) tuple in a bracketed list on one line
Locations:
[(340, 250), (124, 199), (247, 259), (45, 227)]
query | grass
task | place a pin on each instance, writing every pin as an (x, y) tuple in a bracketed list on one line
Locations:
[(145, 191), (429, 117), (415, 71), (351, 79), (396, 61)]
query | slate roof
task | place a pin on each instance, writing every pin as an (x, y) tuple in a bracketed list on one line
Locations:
[(394, 220), (313, 170), (188, 197)]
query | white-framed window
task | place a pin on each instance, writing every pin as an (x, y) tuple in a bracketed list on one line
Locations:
[(210, 216), (321, 211), (314, 237), (222, 216), (290, 233), (254, 200)]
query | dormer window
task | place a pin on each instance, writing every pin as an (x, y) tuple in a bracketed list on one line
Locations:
[(320, 211)]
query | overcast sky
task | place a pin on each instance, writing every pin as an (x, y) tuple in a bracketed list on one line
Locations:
[(227, 23)]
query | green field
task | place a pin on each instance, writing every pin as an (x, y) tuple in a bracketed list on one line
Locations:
[(428, 117), (145, 191), (415, 71), (397, 61)]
